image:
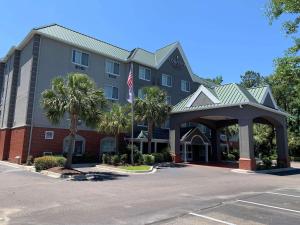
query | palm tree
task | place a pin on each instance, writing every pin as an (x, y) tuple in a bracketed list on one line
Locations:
[(152, 108), (77, 97), (116, 121)]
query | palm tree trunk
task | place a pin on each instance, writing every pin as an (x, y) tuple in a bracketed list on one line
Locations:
[(117, 143), (150, 130), (73, 130)]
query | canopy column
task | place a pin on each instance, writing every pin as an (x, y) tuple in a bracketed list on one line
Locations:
[(174, 138), (215, 136), (282, 146), (247, 160)]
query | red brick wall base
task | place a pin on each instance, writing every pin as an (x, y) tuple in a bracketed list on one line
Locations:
[(176, 158), (14, 143), (247, 164), (4, 143)]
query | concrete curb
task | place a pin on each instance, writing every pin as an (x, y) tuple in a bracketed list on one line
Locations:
[(136, 172), (263, 171), (14, 165)]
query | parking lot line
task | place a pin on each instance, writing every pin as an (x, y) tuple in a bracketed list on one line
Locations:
[(270, 206), (288, 195), (212, 219)]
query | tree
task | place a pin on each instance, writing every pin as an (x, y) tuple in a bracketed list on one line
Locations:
[(278, 8), (218, 80), (252, 79), (153, 108), (264, 139), (285, 84), (77, 97), (116, 121)]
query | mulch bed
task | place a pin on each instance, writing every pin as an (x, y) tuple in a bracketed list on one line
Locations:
[(64, 171)]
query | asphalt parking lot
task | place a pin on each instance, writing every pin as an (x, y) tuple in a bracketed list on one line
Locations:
[(278, 207), (179, 195)]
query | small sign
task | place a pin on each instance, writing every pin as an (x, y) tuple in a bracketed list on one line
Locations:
[(49, 135), (176, 62)]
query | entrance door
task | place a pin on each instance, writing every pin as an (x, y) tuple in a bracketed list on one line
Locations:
[(78, 148), (198, 153)]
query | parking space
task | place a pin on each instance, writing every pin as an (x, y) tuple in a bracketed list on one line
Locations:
[(173, 195), (276, 207)]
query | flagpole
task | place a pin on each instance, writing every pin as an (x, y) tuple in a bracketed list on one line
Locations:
[(132, 116), (132, 162)]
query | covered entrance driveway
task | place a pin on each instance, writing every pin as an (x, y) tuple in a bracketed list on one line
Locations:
[(226, 105)]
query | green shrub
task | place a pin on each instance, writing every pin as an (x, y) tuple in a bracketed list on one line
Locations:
[(115, 160), (138, 157), (106, 158), (47, 162), (167, 155), (267, 162), (236, 154), (158, 157), (124, 159), (148, 159), (231, 157)]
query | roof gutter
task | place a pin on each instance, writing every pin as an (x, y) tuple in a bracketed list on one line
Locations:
[(239, 105)]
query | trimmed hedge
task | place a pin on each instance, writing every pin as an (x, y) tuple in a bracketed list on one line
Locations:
[(158, 157), (47, 162), (148, 159)]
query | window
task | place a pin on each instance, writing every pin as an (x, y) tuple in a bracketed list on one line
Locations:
[(166, 80), (168, 100), (144, 73), (111, 92), (141, 93), (79, 145), (185, 86), (112, 67), (80, 58), (166, 124), (108, 145), (49, 135)]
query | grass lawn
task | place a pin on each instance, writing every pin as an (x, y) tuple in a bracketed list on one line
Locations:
[(138, 168)]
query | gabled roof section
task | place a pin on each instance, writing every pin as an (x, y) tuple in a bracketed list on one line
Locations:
[(209, 93), (228, 95), (88, 43), (262, 95), (80, 40), (188, 136)]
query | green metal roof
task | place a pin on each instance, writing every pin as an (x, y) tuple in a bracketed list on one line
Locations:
[(83, 41), (228, 95), (258, 92)]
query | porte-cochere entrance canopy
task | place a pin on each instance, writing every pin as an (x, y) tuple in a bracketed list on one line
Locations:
[(224, 105)]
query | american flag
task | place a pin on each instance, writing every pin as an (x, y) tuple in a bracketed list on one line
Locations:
[(130, 84)]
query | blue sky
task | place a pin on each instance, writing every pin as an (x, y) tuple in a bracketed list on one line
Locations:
[(219, 37)]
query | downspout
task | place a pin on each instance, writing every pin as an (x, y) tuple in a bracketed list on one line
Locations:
[(33, 101)]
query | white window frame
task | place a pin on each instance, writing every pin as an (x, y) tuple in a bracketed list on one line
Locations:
[(170, 99), (50, 133), (111, 98), (79, 64), (141, 93), (166, 85), (183, 85), (166, 124), (140, 74), (113, 62)]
